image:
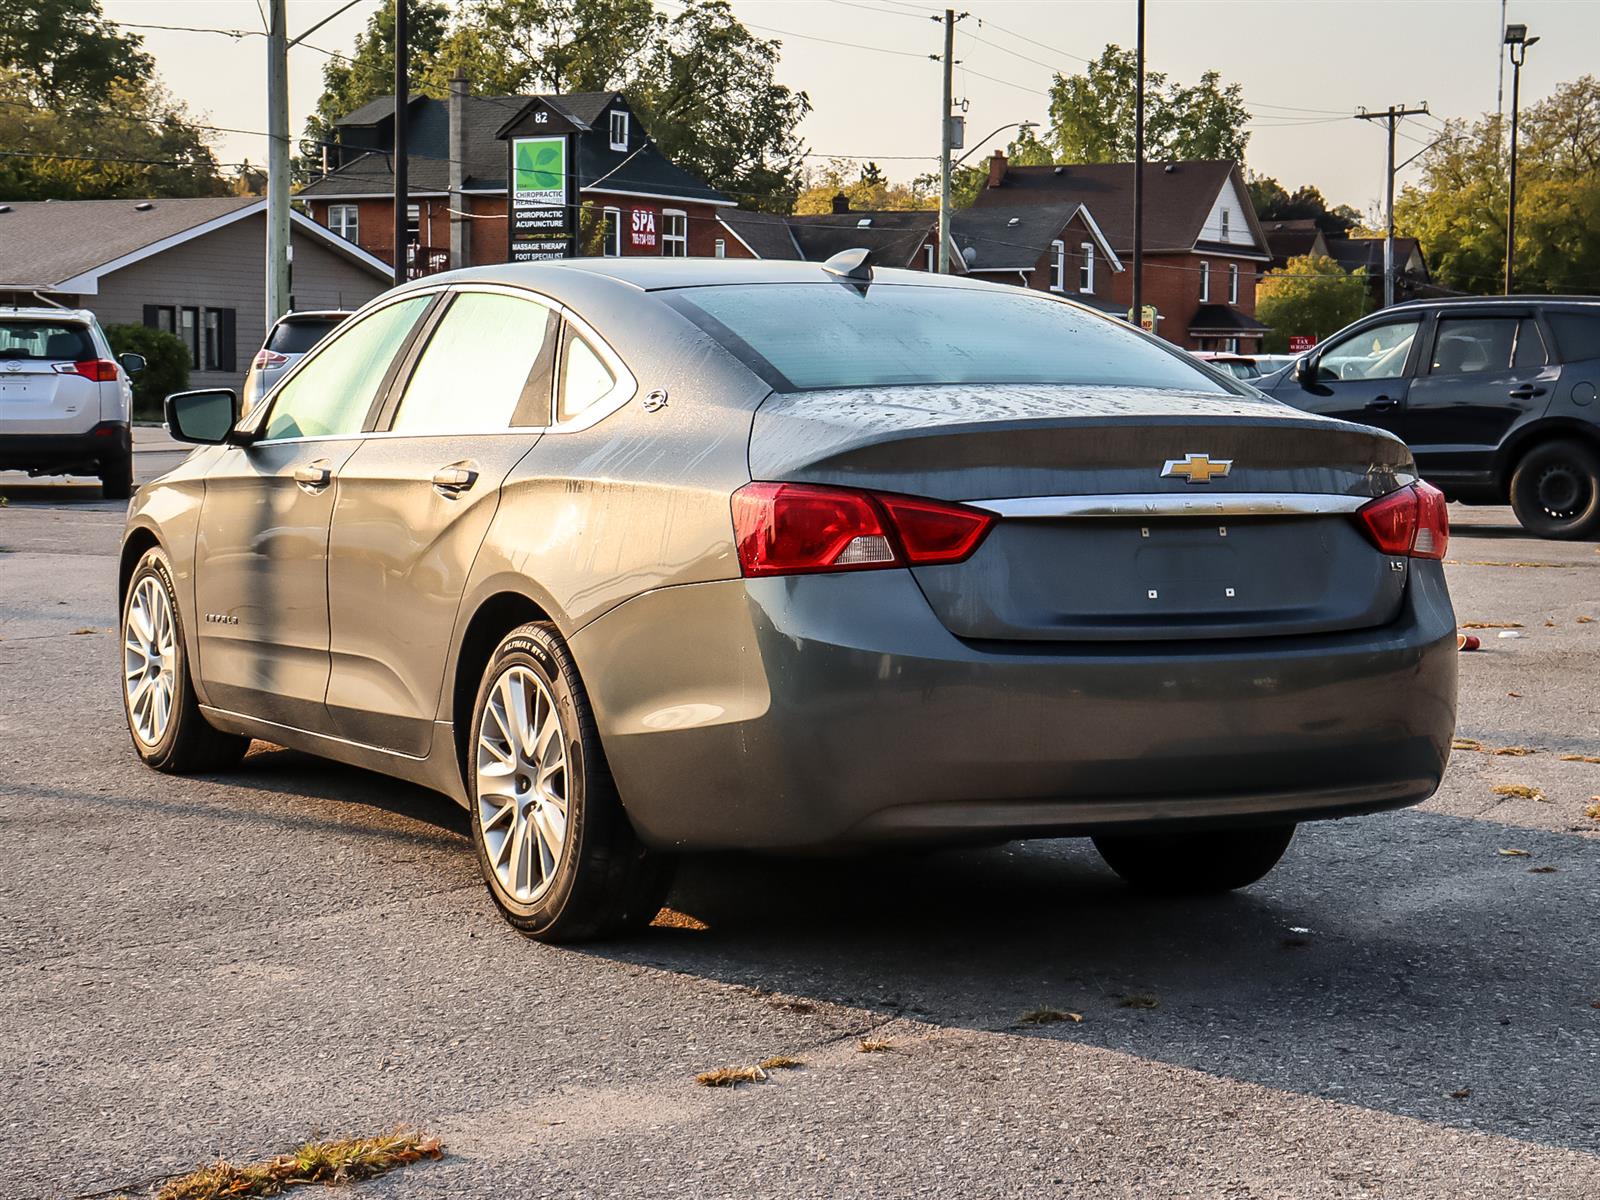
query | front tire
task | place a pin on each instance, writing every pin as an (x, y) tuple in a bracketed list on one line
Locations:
[(555, 847), (164, 719), (1555, 491), (1195, 863)]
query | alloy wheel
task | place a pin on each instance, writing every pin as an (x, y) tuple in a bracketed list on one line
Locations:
[(522, 784), (149, 660)]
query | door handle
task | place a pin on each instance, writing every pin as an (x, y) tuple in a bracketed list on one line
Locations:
[(1382, 403), (451, 481), (1526, 392), (313, 477)]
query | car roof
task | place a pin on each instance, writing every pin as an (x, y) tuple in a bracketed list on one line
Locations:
[(46, 314), (1493, 301), (654, 274)]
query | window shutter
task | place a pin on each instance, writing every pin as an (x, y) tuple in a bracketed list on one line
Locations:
[(152, 316), (225, 328)]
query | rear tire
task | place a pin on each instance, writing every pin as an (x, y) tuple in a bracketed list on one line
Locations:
[(169, 731), (556, 849), (116, 478), (1195, 863), (1555, 491)]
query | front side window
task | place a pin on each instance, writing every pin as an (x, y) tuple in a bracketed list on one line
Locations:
[(674, 234), (1465, 345), (1376, 352), (345, 220), (330, 395), (1086, 268), (585, 379), (486, 367), (1205, 282), (799, 336)]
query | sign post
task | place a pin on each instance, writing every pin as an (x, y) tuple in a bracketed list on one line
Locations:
[(542, 213)]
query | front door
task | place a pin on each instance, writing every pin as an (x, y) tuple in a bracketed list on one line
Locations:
[(261, 554), (1361, 376), (1485, 374), (415, 502)]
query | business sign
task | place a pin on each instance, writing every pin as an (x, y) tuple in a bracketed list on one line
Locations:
[(1150, 317), (540, 208), (1299, 342), (644, 235)]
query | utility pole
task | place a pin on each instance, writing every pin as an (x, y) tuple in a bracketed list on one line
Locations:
[(1500, 80), (1389, 116), (1517, 43), (277, 162), (945, 137), (1138, 176), (402, 56)]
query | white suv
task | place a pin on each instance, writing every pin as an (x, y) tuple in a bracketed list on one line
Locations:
[(64, 398)]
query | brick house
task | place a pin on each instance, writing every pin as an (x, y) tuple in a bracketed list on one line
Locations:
[(623, 195), (1203, 247)]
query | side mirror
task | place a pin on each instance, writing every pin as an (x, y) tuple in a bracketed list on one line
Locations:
[(205, 417), (1305, 369), (131, 363)]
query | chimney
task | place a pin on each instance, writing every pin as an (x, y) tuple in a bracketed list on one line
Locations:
[(841, 203), (997, 168), (460, 226)]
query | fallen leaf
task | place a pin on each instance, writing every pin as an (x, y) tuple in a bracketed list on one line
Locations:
[(1138, 1002), (1593, 811), (1513, 853), (1049, 1016), (671, 918), (730, 1076), (1461, 1094), (1518, 791), (781, 1062), (1514, 751), (1588, 758), (1465, 744), (1543, 870), (1585, 620), (872, 1046), (1515, 695), (1492, 625)]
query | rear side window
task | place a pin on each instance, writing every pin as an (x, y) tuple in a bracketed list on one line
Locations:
[(1577, 333), (330, 395), (297, 337), (487, 366), (798, 336), (45, 341)]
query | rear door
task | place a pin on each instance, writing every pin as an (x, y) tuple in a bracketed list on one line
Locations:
[(261, 555), (1485, 372), (41, 389), (415, 501), (1362, 376)]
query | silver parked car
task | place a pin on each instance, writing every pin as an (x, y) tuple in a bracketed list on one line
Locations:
[(65, 398), (290, 339), (631, 557)]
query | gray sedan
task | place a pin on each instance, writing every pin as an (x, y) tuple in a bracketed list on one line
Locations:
[(634, 557)]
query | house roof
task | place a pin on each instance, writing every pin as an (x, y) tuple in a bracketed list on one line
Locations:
[(1221, 318), (643, 171), (1367, 253), (1292, 239), (895, 237), (766, 235), (1015, 238), (67, 245), (1177, 199)]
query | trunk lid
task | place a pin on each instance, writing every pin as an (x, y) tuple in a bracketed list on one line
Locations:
[(1094, 543)]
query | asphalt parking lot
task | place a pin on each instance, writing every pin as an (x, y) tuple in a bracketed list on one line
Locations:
[(230, 965)]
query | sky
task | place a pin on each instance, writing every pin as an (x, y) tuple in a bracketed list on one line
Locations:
[(1305, 67)]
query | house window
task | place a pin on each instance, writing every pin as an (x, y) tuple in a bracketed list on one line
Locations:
[(1224, 224), (619, 129), (674, 233), (930, 260), (722, 248), (1205, 282), (1058, 267), (216, 342), (161, 316), (611, 233), (1233, 283), (345, 220), (189, 333), (1086, 269)]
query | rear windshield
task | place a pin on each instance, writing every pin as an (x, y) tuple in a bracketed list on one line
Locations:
[(299, 335), (50, 341), (799, 336)]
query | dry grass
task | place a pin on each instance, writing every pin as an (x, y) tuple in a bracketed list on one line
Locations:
[(1138, 1002), (1593, 811), (781, 1062), (1466, 744), (1518, 791), (1514, 751), (1049, 1016), (1491, 625), (81, 632), (1512, 852), (1588, 758), (1543, 870), (1585, 620), (730, 1076), (671, 918), (334, 1162), (874, 1046)]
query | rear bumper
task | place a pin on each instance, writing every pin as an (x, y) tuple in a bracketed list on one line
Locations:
[(836, 709), (64, 453)]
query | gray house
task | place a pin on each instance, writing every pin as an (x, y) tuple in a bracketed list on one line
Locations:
[(194, 267)]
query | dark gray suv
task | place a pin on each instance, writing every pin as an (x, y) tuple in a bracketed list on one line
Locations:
[(1494, 395)]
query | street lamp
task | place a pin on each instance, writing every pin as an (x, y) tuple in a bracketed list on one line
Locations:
[(1019, 126), (1517, 43)]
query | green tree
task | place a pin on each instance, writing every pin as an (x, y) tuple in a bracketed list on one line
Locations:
[(166, 365), (1024, 150), (1092, 114), (509, 47), (869, 191), (1310, 295), (64, 52), (1273, 202)]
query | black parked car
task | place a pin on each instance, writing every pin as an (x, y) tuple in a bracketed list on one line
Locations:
[(1495, 396)]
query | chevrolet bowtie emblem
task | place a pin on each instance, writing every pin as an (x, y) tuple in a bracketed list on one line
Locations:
[(1197, 468)]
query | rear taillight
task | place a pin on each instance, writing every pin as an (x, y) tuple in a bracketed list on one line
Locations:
[(268, 358), (801, 528), (1412, 521), (101, 370)]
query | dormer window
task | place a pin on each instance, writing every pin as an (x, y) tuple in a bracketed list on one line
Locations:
[(619, 129), (1224, 224)]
